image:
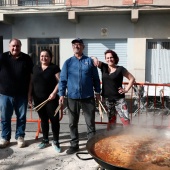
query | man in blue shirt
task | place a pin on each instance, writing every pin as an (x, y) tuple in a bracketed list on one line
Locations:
[(81, 80)]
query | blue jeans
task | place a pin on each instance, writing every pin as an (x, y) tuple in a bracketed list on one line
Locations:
[(8, 105)]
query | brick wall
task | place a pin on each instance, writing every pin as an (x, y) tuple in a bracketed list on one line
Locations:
[(145, 1), (76, 2), (129, 2)]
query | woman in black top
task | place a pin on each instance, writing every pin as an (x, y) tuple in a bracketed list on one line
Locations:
[(112, 91), (45, 86)]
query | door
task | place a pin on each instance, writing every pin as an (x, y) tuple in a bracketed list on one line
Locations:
[(1, 44), (54, 48), (36, 45), (158, 61), (97, 47)]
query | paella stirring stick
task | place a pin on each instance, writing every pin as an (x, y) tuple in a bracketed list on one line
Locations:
[(58, 108), (102, 106), (100, 111), (41, 104)]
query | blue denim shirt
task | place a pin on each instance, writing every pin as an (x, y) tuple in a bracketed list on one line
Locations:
[(80, 78)]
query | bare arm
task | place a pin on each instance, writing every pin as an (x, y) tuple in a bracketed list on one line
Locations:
[(131, 79), (30, 91), (61, 100), (54, 93), (96, 62)]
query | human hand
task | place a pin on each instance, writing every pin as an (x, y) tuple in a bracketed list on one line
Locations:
[(122, 90), (98, 98), (95, 61), (61, 100), (52, 96), (30, 100)]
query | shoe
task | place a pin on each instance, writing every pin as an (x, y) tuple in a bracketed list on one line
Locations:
[(72, 150), (125, 122), (56, 146), (4, 143), (21, 142), (43, 144)]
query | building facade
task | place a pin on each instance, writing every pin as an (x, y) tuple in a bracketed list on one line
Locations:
[(138, 30)]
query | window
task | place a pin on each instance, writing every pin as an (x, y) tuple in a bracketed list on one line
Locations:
[(35, 2), (152, 45), (165, 45)]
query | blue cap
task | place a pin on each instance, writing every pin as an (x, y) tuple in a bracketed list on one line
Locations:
[(77, 40)]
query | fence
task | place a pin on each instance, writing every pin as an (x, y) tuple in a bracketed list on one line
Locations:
[(153, 104), (32, 119), (148, 105)]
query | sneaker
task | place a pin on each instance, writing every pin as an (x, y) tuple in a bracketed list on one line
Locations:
[(72, 150), (21, 142), (43, 144), (56, 146), (4, 143)]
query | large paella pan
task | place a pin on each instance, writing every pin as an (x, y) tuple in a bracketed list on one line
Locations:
[(136, 149)]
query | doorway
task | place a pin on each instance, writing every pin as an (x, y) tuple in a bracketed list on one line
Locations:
[(158, 61), (1, 44), (36, 45)]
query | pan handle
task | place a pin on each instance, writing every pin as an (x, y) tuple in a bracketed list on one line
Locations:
[(83, 153)]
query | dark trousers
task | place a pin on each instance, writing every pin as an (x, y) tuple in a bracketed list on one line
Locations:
[(46, 113), (88, 107)]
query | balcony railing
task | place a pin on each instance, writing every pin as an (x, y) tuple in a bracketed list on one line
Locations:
[(31, 2)]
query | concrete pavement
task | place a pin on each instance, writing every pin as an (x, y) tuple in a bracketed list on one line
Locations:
[(32, 158)]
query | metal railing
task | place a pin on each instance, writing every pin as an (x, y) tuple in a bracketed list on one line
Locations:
[(31, 2), (148, 106)]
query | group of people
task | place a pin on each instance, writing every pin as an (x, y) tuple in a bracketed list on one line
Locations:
[(78, 80)]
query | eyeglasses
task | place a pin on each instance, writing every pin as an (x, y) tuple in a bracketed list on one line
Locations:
[(77, 45)]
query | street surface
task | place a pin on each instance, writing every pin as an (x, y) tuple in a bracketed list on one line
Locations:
[(32, 158)]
